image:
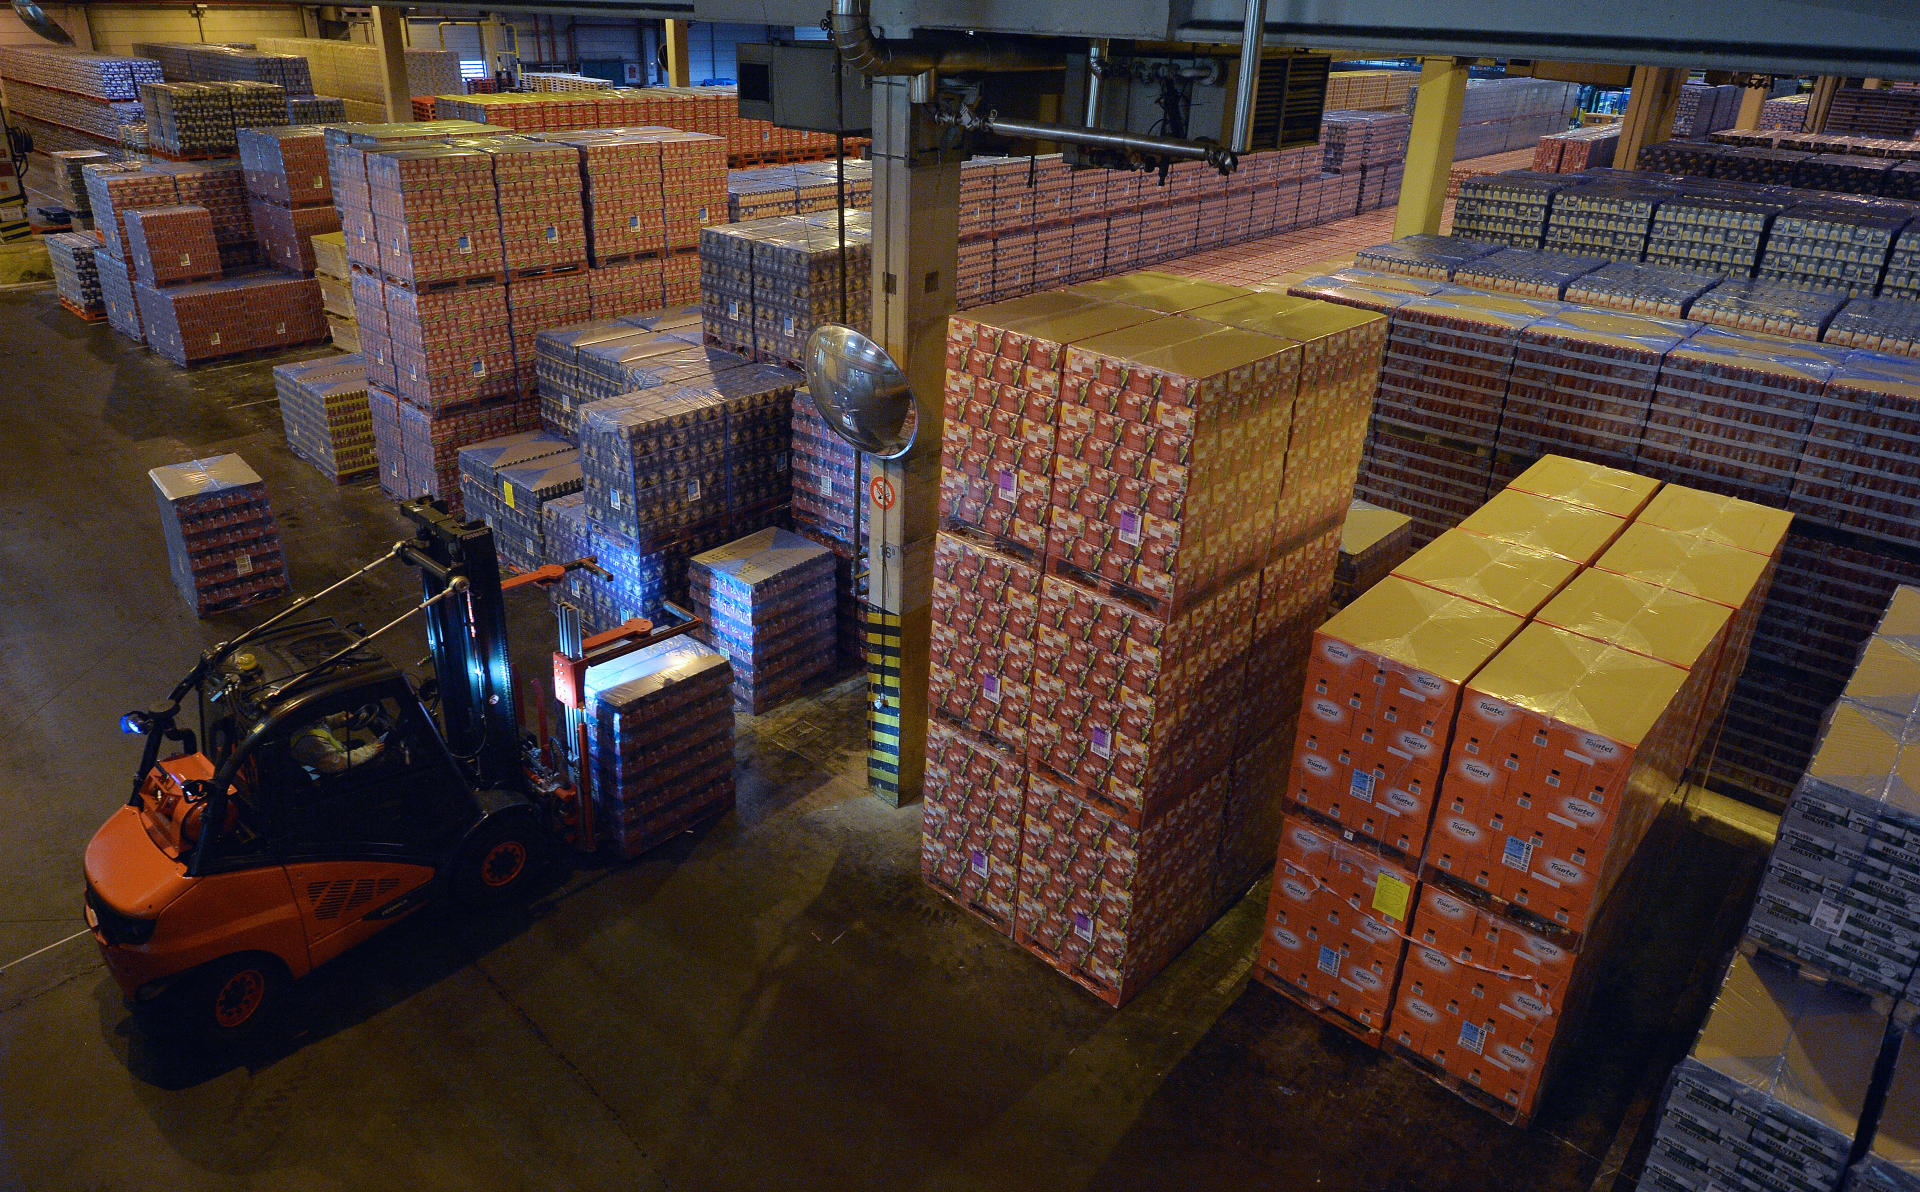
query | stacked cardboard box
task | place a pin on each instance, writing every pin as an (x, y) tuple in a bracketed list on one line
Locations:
[(831, 506), (1366, 289), (222, 541), (1583, 381), (194, 62), (1336, 926), (1658, 290), (768, 603), (419, 449), (1432, 257), (1772, 307), (1576, 149), (797, 189), (351, 70), (1373, 541), (1774, 1091), (70, 99), (450, 347), (1731, 412), (1501, 115), (1889, 325), (683, 466), (1503, 717), (660, 743), (1510, 208), (1902, 278), (1178, 574), (1526, 272), (1371, 146), (538, 203), (116, 291), (1437, 416), (971, 823), (323, 404), (1603, 217), (508, 481), (230, 316), (170, 245), (1839, 889), (1833, 244), (766, 285), (1853, 472), (1711, 231), (1887, 113), (289, 193), (568, 536), (315, 109), (200, 119), (75, 274)]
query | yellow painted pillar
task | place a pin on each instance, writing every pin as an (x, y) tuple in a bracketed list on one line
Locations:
[(679, 55), (1651, 104), (1436, 126), (1821, 102), (1752, 99), (390, 46)]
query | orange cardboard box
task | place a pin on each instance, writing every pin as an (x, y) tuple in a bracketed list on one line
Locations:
[(1717, 548), (1339, 371), (1662, 623), (1336, 922), (1512, 578), (1383, 686), (1481, 997), (1564, 750), (1591, 486), (1559, 527)]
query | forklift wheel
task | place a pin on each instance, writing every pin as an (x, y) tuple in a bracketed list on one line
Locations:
[(233, 1000), (499, 861)]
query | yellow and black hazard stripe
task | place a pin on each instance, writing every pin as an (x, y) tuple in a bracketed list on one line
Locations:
[(883, 702)]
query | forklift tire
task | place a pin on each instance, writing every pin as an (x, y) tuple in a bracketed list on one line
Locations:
[(233, 1001), (499, 861)]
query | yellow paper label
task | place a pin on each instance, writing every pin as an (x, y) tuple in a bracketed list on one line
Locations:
[(506, 492), (1390, 896)]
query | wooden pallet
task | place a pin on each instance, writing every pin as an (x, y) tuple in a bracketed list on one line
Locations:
[(82, 313), (971, 906), (1883, 1003), (1372, 1036), (1466, 1090)]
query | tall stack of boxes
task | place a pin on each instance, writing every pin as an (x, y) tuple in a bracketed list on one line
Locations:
[(1111, 570), (830, 506), (289, 193), (189, 312), (659, 744), (1775, 1090), (768, 604), (766, 285), (223, 543), (508, 482), (1500, 721), (334, 274), (329, 423), (76, 275), (1373, 541)]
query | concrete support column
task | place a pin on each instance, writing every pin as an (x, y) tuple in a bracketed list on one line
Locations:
[(390, 45), (1436, 126), (1821, 102), (916, 204), (1752, 99), (1651, 105), (679, 54)]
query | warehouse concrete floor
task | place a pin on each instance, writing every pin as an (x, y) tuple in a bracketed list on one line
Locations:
[(773, 1002)]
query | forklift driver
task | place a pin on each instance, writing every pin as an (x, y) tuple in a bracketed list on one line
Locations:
[(320, 747)]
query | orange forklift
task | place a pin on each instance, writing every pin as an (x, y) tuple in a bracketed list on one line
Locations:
[(326, 796)]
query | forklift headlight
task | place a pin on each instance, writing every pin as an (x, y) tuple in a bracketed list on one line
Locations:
[(136, 724)]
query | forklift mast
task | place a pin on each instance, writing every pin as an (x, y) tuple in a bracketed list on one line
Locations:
[(469, 640)]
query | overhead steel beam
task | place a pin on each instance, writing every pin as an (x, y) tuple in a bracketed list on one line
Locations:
[(1876, 38)]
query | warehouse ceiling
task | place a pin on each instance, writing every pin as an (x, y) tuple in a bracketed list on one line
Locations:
[(1877, 38)]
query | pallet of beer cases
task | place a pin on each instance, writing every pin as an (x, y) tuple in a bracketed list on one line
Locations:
[(507, 482), (223, 543), (660, 743), (1775, 1090), (324, 406), (768, 603)]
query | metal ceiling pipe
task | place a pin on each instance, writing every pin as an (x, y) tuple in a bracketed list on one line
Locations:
[(850, 26), (1212, 152), (1253, 38)]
